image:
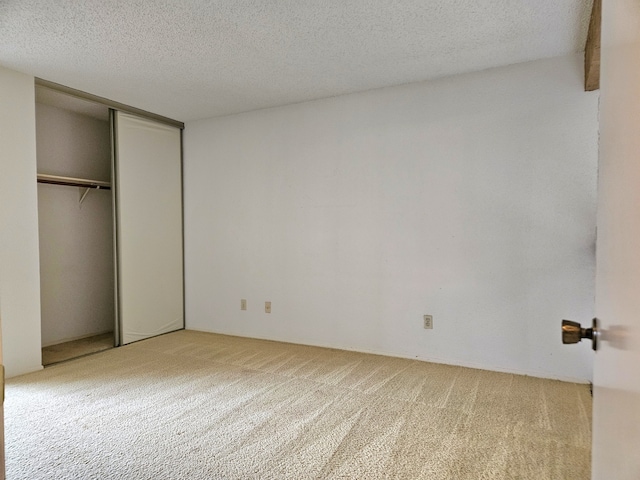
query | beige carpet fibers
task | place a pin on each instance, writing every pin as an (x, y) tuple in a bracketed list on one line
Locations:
[(193, 405)]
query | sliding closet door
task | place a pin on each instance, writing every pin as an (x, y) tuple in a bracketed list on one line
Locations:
[(149, 227)]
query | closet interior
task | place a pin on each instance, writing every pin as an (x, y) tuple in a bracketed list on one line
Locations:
[(76, 226)]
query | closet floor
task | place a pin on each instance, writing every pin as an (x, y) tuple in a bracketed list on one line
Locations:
[(76, 348)]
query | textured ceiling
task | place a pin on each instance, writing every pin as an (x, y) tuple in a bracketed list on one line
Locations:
[(191, 59)]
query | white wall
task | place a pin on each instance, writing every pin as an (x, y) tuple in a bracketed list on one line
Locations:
[(471, 198), (76, 240), (19, 277)]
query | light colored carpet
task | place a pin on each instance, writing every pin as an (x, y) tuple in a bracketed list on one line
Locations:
[(76, 348), (192, 405)]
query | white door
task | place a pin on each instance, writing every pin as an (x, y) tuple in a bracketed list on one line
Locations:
[(2, 464), (148, 188), (616, 414)]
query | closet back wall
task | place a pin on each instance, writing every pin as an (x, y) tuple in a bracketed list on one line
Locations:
[(76, 240)]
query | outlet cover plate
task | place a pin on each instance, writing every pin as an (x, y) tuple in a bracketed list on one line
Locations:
[(428, 322)]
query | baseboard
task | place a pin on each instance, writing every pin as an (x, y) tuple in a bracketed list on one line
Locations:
[(24, 371)]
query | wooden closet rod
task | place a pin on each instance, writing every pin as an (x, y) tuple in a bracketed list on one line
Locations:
[(73, 182)]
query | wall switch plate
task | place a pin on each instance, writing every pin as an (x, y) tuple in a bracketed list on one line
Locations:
[(243, 304), (267, 307), (428, 321)]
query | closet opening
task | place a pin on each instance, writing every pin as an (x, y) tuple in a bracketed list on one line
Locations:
[(76, 226)]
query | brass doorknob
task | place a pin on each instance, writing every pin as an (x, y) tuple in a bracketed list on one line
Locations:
[(572, 332)]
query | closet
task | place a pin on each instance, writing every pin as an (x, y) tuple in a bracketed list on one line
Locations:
[(75, 221), (110, 223)]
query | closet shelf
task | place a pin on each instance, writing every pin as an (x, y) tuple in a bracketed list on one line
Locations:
[(73, 182)]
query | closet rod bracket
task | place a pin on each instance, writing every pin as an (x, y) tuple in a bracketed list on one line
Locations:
[(84, 194)]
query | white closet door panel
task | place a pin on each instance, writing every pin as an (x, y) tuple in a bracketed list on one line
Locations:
[(149, 223)]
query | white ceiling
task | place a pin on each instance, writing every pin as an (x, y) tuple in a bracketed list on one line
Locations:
[(191, 59)]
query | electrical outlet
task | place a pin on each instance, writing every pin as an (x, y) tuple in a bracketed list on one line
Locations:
[(267, 307), (428, 321), (243, 304)]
